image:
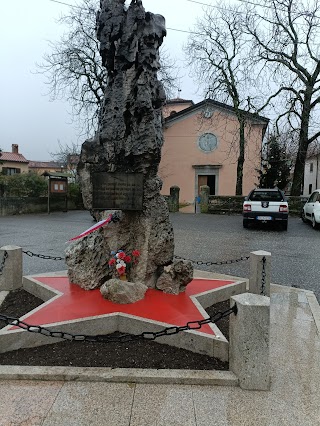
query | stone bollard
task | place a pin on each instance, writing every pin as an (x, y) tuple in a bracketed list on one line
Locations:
[(260, 272), (204, 194), (174, 198), (11, 274), (249, 341)]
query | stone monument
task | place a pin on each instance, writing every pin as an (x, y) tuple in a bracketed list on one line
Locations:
[(118, 167)]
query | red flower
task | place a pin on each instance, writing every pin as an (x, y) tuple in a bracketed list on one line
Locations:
[(136, 253), (127, 259), (121, 270), (112, 262), (121, 255)]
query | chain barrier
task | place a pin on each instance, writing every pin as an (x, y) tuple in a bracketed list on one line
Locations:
[(123, 338), (5, 256), (42, 256), (223, 262), (263, 276), (196, 262)]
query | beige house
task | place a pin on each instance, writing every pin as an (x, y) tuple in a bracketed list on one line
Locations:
[(13, 162), (41, 167), (201, 148)]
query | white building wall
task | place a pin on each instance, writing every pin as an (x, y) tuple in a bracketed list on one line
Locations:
[(311, 175)]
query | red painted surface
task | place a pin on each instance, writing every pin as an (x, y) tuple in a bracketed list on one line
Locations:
[(76, 303)]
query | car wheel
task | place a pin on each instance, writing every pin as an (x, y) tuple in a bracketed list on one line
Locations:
[(285, 225), (245, 223), (315, 225)]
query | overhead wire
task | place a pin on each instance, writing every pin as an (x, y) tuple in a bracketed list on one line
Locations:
[(225, 8), (210, 5), (190, 1), (168, 28), (67, 4), (246, 2)]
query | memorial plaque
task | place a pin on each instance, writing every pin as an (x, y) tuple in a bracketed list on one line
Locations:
[(123, 191)]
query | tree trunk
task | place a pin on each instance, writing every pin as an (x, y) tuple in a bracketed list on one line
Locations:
[(241, 156), (298, 176)]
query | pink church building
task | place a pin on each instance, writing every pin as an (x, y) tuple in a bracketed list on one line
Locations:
[(201, 148)]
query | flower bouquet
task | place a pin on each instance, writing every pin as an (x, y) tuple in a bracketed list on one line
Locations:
[(122, 262)]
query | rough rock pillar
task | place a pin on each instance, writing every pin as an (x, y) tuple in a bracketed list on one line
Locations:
[(128, 140)]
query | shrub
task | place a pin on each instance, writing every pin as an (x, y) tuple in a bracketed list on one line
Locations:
[(23, 185)]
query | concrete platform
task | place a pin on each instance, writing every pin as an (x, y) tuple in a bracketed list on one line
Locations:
[(72, 397)]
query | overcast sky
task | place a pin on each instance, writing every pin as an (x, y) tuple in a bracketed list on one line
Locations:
[(28, 118)]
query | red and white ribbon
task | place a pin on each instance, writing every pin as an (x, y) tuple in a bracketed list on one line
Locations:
[(93, 228)]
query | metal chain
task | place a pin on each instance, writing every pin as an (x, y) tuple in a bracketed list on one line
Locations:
[(5, 256), (263, 276), (223, 262), (123, 338), (42, 256), (197, 262)]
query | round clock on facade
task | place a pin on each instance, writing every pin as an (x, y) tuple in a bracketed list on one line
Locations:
[(207, 142)]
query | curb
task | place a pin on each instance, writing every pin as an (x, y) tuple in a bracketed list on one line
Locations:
[(312, 301), (119, 375), (315, 309)]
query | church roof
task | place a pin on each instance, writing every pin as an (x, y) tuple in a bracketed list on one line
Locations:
[(210, 102), (179, 101)]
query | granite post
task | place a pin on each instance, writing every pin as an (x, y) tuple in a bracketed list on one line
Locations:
[(249, 346), (260, 272), (11, 275)]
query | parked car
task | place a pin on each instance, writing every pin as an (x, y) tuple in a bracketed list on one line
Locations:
[(264, 205), (311, 209)]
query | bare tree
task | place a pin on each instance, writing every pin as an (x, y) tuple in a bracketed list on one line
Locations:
[(286, 46), (74, 68), (217, 51), (68, 156)]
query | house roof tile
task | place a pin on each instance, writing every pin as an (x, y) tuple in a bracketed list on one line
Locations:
[(44, 165), (12, 156)]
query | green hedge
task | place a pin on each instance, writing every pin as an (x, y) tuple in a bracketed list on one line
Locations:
[(233, 204), (23, 185)]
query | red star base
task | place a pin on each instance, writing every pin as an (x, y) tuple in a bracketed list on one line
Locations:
[(72, 306)]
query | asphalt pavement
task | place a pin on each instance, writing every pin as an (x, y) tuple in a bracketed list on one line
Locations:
[(199, 237)]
